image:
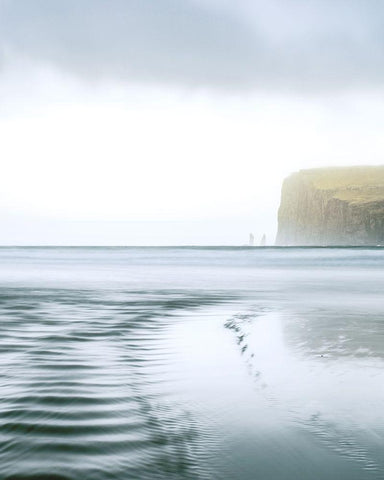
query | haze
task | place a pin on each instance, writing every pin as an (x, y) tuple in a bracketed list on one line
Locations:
[(170, 122)]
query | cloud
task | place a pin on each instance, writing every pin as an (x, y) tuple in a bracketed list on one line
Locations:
[(280, 44)]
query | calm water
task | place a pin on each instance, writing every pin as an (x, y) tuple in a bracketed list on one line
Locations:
[(192, 363)]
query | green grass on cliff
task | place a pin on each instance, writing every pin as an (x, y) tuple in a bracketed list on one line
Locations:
[(351, 184)]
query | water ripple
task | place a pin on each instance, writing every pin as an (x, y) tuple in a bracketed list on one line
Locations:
[(83, 387)]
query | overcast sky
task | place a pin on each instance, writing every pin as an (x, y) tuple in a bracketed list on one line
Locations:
[(175, 121)]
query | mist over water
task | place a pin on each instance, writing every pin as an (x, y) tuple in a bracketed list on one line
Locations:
[(192, 363)]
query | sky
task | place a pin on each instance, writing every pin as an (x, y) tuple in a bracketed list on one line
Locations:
[(174, 122)]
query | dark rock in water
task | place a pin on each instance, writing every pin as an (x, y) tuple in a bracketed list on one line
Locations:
[(333, 206)]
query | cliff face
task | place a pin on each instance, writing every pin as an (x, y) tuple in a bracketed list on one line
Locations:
[(332, 206)]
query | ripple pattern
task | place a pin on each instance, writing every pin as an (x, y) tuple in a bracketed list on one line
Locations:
[(84, 389)]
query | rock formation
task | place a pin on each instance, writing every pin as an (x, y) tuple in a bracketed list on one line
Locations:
[(332, 206)]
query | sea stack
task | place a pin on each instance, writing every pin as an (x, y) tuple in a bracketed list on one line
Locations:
[(332, 206)]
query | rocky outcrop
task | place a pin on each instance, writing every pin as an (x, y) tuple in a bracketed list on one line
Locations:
[(332, 206)]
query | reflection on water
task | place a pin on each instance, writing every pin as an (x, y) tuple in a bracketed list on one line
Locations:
[(191, 364), (328, 390)]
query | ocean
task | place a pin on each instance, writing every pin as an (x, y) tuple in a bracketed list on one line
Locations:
[(191, 363)]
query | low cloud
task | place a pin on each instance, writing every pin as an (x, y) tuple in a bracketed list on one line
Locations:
[(283, 45)]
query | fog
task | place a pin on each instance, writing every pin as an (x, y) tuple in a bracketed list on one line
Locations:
[(168, 122)]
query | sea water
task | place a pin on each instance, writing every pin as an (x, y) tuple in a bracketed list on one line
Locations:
[(192, 363)]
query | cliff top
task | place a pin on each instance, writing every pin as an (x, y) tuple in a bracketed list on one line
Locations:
[(351, 184)]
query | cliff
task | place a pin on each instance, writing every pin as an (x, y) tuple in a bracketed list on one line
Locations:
[(332, 206)]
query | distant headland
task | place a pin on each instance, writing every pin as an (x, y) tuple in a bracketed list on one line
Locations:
[(332, 206)]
